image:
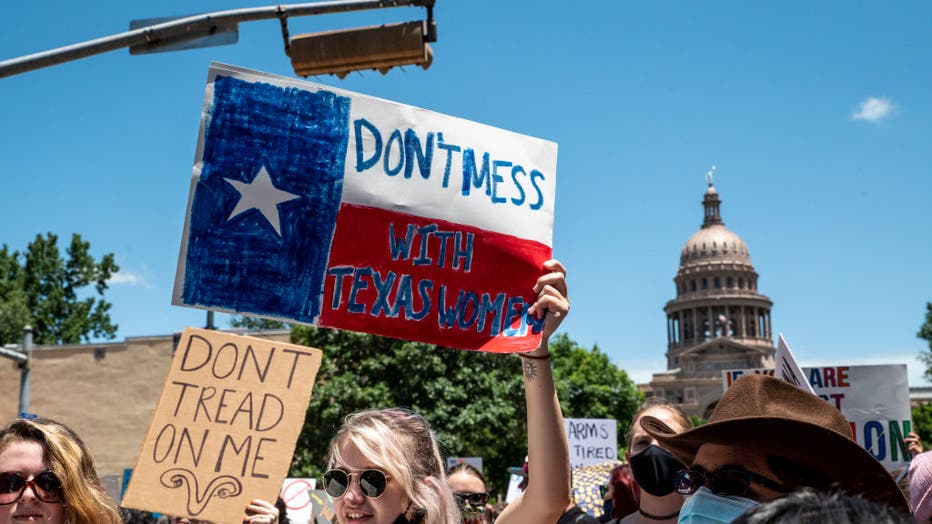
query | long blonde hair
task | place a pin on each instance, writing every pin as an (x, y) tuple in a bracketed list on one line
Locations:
[(86, 502), (401, 442)]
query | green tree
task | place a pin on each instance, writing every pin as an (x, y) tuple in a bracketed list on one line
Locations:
[(255, 323), (473, 400), (591, 386), (925, 333), (50, 292), (922, 424)]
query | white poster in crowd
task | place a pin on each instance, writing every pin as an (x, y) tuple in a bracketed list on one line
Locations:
[(475, 462), (513, 491), (591, 440), (296, 493), (787, 368), (874, 399)]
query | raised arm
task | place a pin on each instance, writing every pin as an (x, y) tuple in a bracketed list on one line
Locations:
[(548, 491)]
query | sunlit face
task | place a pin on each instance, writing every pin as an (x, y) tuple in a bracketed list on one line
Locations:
[(711, 457), (463, 482), (26, 458), (640, 439), (353, 507)]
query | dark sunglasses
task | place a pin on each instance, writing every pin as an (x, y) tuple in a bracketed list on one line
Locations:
[(45, 485), (729, 482), (372, 482), (471, 499)]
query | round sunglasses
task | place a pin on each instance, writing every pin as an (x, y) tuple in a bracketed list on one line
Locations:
[(45, 485), (372, 482), (471, 499), (729, 482)]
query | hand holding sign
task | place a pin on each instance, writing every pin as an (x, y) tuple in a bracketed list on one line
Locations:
[(553, 302), (261, 512)]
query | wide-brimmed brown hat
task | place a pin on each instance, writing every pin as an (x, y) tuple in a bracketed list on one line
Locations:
[(772, 417)]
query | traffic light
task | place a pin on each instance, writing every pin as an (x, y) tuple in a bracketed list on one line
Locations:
[(377, 47)]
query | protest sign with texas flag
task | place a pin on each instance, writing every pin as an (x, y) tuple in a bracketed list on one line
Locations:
[(315, 205)]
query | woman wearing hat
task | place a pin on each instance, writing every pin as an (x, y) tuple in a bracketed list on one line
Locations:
[(765, 439)]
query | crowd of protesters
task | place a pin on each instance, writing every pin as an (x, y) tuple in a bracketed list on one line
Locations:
[(770, 453)]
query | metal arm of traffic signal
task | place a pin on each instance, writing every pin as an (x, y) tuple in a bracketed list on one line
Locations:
[(192, 27)]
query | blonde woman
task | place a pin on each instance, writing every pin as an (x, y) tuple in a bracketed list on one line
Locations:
[(47, 475), (385, 466)]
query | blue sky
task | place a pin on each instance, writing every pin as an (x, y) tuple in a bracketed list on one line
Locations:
[(818, 116)]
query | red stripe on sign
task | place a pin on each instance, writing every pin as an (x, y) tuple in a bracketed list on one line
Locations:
[(429, 280)]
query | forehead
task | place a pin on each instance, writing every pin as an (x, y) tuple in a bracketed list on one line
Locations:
[(22, 455), (465, 483), (350, 456)]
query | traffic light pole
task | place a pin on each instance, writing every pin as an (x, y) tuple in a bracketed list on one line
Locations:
[(23, 357), (25, 370), (192, 27)]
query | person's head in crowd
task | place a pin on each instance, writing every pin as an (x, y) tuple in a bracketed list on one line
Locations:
[(384, 465), (470, 492), (808, 506), (282, 511), (521, 472), (137, 516), (920, 487), (764, 439), (47, 474), (623, 492), (497, 509), (654, 468)]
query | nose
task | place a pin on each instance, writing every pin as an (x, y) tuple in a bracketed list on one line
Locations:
[(353, 494), (29, 492)]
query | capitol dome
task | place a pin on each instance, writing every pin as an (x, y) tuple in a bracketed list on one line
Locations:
[(718, 320), (715, 243)]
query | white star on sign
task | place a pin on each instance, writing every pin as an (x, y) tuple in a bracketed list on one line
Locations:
[(262, 195)]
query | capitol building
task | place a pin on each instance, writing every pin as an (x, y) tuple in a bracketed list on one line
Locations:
[(718, 319)]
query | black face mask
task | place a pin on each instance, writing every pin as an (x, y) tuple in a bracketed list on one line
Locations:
[(654, 470)]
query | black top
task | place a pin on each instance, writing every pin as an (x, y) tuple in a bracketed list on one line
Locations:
[(575, 515)]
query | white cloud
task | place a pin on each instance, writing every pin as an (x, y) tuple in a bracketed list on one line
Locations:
[(128, 278), (873, 109)]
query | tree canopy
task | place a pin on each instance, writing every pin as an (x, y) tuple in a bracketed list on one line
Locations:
[(925, 333), (473, 400), (255, 323), (55, 294), (590, 386), (922, 424)]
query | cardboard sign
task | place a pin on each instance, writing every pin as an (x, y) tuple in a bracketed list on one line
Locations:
[(874, 399), (591, 440), (224, 430), (316, 205)]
